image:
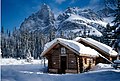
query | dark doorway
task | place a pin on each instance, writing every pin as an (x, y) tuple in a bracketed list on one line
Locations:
[(63, 64), (81, 64)]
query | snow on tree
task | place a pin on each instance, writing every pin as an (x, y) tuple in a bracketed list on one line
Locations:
[(116, 27)]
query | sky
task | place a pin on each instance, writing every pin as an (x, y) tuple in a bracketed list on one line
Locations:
[(15, 11)]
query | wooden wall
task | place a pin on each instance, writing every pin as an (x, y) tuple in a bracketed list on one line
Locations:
[(102, 60), (53, 57), (72, 66), (71, 58), (88, 63), (75, 63)]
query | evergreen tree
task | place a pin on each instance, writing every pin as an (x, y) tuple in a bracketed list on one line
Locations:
[(116, 27), (116, 21), (117, 14), (3, 46), (107, 35), (2, 30)]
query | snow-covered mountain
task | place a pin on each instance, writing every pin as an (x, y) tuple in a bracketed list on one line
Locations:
[(73, 21), (79, 21), (40, 21), (106, 12)]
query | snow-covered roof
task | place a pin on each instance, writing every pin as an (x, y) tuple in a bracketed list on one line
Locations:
[(76, 47), (107, 49)]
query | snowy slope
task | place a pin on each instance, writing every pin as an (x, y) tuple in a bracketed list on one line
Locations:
[(77, 17), (34, 72), (109, 20), (85, 23), (76, 21)]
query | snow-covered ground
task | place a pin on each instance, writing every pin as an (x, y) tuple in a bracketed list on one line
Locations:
[(17, 71), (12, 61)]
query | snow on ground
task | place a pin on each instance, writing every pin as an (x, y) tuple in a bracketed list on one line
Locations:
[(102, 66), (12, 61), (34, 72)]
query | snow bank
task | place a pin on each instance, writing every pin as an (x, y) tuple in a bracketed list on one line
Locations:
[(117, 61), (11, 61), (101, 66), (79, 48)]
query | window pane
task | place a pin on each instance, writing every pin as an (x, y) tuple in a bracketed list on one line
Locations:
[(63, 51)]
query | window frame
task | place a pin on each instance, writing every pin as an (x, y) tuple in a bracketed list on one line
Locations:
[(63, 51)]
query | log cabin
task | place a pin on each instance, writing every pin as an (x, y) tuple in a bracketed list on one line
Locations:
[(106, 53), (68, 56)]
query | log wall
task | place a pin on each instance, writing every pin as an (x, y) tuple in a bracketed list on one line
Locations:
[(75, 63)]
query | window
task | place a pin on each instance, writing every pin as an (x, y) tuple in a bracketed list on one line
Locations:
[(85, 60), (63, 51), (93, 60)]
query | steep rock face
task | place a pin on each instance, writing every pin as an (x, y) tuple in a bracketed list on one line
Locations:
[(79, 21), (106, 12), (40, 21), (46, 15), (87, 13)]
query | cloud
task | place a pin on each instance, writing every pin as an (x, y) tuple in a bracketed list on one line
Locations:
[(60, 1)]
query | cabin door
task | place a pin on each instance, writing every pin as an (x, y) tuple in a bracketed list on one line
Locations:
[(63, 64)]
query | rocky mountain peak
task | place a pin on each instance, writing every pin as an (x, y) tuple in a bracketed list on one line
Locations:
[(46, 14), (87, 13), (39, 20), (106, 12)]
